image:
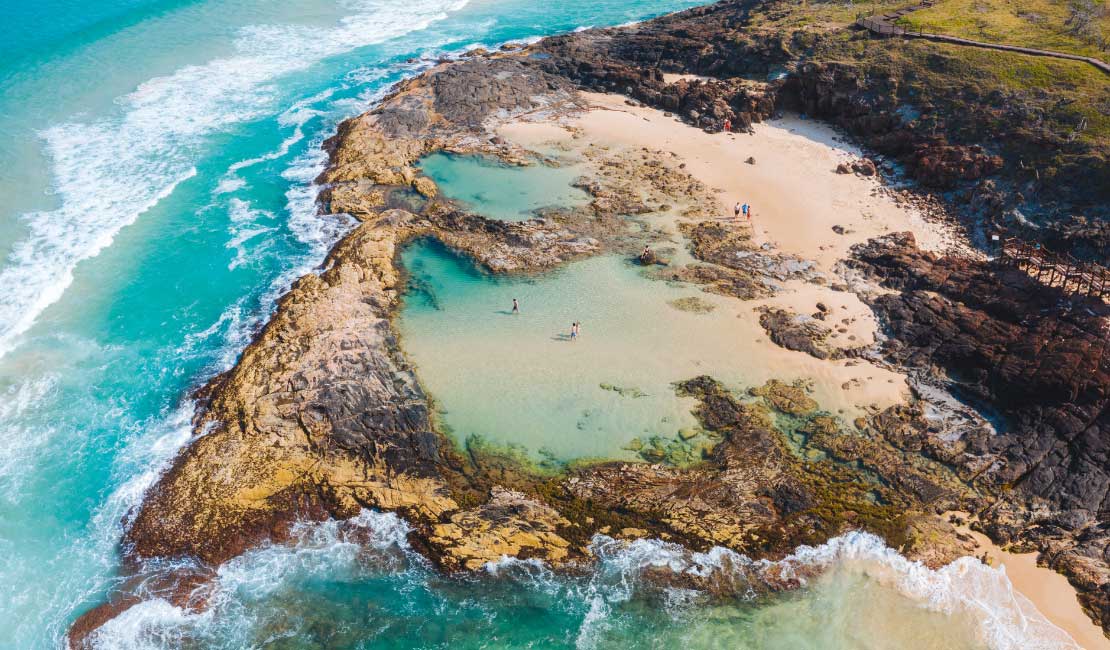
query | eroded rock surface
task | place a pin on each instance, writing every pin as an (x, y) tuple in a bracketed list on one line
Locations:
[(800, 332), (1038, 361)]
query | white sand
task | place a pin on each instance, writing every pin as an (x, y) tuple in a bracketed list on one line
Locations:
[(671, 78)]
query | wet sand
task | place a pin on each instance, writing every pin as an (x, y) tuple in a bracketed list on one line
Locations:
[(1049, 591)]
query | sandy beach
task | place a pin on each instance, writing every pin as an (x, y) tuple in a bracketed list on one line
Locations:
[(797, 199), (1049, 591), (786, 220)]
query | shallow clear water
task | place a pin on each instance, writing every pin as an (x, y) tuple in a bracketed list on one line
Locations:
[(156, 199), (519, 378), (506, 192)]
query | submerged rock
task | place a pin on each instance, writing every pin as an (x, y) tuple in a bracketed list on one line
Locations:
[(791, 399), (623, 391), (692, 304)]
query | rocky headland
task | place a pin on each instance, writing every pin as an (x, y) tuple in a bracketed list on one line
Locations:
[(323, 416)]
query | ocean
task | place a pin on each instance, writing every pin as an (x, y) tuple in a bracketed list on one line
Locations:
[(156, 199)]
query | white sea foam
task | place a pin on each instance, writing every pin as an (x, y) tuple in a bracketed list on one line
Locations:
[(146, 454), (374, 542), (109, 172), (18, 441), (1006, 620), (247, 223), (296, 116), (370, 541)]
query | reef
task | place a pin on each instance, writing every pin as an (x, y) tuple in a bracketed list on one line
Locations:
[(322, 416)]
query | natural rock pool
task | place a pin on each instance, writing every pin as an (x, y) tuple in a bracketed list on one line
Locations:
[(506, 192), (520, 379)]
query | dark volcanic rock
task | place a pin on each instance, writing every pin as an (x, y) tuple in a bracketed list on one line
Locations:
[(799, 332), (1039, 365)]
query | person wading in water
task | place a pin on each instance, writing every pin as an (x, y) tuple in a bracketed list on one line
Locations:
[(516, 306), (574, 331)]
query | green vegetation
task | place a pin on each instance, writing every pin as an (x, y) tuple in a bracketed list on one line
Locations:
[(1054, 99), (819, 16), (1073, 26)]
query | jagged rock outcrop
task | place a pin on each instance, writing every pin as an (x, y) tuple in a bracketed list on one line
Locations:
[(734, 266), (800, 332), (1038, 362)]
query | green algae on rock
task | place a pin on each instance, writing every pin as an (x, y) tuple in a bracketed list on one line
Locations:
[(692, 304)]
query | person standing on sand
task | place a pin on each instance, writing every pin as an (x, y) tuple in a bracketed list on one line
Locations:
[(736, 211), (516, 306), (574, 331), (728, 125), (744, 210)]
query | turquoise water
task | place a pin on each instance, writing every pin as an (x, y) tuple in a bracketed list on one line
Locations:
[(520, 379), (156, 199), (501, 191)]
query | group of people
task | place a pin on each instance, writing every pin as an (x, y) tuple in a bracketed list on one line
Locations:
[(574, 327), (742, 210)]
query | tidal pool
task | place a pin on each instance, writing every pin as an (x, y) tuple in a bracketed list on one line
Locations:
[(520, 379), (505, 192)]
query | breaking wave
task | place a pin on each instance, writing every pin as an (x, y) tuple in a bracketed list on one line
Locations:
[(593, 610), (107, 173)]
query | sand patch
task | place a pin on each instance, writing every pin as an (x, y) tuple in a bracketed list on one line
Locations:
[(1049, 591)]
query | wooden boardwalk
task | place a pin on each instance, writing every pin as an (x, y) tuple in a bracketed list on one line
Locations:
[(885, 25), (1084, 279)]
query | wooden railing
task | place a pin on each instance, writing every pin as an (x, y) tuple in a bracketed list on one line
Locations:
[(1070, 275)]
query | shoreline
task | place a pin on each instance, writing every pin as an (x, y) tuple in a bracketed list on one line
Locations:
[(704, 155), (1050, 592), (426, 483)]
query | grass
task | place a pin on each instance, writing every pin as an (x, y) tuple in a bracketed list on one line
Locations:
[(1028, 23), (810, 15), (1048, 118)]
